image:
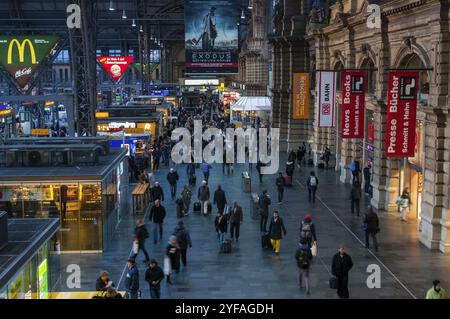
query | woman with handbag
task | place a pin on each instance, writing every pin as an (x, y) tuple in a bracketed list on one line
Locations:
[(404, 202)]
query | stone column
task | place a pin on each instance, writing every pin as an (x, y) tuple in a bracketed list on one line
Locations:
[(276, 99), (435, 219)]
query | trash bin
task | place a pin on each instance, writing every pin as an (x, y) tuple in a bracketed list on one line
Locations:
[(254, 206), (246, 182)]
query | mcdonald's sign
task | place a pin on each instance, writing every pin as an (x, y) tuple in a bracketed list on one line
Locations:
[(22, 55)]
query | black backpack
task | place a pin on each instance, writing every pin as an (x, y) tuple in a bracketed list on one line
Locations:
[(305, 231), (303, 259)]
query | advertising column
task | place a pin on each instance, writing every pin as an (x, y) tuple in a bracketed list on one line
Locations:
[(211, 37), (326, 92), (401, 114), (353, 104)]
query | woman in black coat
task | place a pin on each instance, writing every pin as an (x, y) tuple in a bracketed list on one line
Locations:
[(276, 231), (221, 224), (173, 254)]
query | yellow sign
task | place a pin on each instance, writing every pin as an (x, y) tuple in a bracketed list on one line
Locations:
[(21, 48), (300, 99), (102, 115), (40, 132), (5, 112), (134, 131)]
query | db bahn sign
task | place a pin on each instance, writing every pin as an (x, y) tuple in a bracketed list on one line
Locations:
[(21, 56)]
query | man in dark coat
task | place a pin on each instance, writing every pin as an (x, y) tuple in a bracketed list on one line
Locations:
[(203, 196), (220, 199), (279, 182), (141, 234), (184, 241), (312, 184), (340, 267), (221, 225), (157, 192), (355, 197), (276, 231), (372, 227), (367, 174), (154, 275), (259, 167), (263, 205), (236, 219), (157, 215), (132, 280), (172, 178)]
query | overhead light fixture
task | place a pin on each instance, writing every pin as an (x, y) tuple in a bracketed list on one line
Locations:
[(238, 23), (141, 29), (242, 14), (250, 4), (111, 6), (134, 23), (124, 14)]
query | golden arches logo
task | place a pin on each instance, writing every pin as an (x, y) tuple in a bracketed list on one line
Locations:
[(21, 49)]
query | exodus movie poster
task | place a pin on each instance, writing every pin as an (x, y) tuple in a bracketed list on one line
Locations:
[(211, 37)]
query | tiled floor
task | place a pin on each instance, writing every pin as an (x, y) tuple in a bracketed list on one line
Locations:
[(407, 268)]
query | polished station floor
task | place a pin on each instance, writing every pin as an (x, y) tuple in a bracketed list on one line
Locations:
[(407, 268)]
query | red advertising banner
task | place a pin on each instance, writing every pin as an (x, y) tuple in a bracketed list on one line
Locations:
[(353, 103), (401, 113), (115, 65)]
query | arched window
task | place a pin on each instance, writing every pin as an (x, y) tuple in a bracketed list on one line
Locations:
[(338, 66), (368, 65), (413, 61)]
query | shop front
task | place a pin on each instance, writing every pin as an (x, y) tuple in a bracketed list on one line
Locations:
[(88, 200)]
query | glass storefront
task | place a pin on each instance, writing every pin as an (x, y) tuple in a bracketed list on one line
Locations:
[(88, 211), (34, 280)]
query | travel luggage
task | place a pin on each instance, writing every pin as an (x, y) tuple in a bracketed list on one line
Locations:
[(321, 165), (227, 246), (310, 162), (209, 208), (287, 180), (265, 241), (333, 283), (197, 207)]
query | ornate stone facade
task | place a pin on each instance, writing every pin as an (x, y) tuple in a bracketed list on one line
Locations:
[(413, 35)]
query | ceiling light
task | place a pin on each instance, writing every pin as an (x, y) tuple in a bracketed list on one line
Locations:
[(111, 6), (124, 14), (250, 4), (141, 29), (242, 14), (134, 23)]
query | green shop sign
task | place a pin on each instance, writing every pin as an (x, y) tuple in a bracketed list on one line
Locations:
[(21, 56)]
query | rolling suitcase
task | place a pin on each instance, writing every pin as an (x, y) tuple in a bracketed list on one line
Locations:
[(209, 208), (287, 180), (227, 246), (197, 207), (265, 241)]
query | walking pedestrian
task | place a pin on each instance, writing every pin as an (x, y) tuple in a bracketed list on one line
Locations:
[(367, 175), (141, 234), (190, 171), (355, 198), (186, 196), (371, 227), (436, 292), (355, 170), (326, 156), (156, 159), (312, 184), (132, 280), (259, 167), (235, 220), (205, 167), (157, 215), (103, 282), (154, 275), (220, 199), (303, 257), (172, 178), (157, 192), (341, 265), (280, 183), (184, 241), (404, 202), (172, 260), (221, 225), (203, 196), (308, 230), (276, 231), (263, 207)]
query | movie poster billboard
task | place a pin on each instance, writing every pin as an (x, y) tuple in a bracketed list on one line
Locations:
[(326, 93), (401, 114), (353, 104), (116, 66), (300, 96), (211, 36), (21, 56)]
